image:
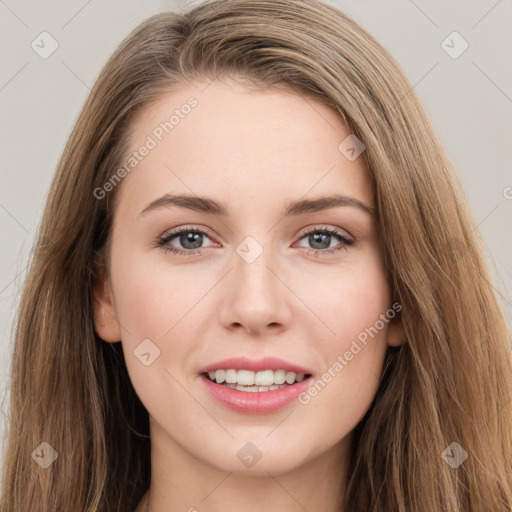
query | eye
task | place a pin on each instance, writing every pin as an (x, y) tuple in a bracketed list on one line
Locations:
[(321, 238), (191, 239)]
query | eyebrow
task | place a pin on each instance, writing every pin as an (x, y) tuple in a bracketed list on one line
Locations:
[(294, 208)]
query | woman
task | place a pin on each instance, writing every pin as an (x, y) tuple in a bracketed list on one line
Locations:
[(330, 339)]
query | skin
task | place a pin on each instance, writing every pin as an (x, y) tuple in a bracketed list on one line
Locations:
[(254, 151)]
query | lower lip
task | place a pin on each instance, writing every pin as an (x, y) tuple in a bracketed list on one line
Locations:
[(260, 402)]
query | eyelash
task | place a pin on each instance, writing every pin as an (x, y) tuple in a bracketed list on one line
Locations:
[(163, 241)]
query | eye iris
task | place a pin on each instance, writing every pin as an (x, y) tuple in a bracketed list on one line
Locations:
[(194, 238), (317, 237)]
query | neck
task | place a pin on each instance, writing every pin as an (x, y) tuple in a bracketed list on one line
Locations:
[(181, 481)]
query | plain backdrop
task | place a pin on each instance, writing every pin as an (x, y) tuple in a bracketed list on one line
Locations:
[(469, 99)]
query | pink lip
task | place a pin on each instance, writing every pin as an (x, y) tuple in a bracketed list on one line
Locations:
[(261, 402), (243, 363)]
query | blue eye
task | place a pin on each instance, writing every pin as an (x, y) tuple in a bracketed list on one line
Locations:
[(191, 240), (320, 236), (185, 238)]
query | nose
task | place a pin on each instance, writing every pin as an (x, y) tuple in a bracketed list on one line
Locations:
[(256, 296)]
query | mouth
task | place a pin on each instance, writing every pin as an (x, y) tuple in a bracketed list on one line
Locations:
[(261, 392), (255, 382)]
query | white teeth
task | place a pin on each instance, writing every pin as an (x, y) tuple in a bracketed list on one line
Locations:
[(255, 389), (266, 378), (219, 376), (231, 376), (247, 378), (279, 376)]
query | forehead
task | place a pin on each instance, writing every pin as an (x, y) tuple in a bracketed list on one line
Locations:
[(222, 139)]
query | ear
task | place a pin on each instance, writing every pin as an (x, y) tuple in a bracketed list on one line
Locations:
[(105, 315), (396, 334)]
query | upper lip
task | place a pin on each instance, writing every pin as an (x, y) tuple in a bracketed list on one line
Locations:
[(243, 363)]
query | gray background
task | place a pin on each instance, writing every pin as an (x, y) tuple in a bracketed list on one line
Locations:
[(469, 99)]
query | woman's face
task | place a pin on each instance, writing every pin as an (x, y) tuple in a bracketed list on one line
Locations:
[(255, 283)]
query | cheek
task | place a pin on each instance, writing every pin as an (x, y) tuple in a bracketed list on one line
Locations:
[(151, 299), (350, 299), (156, 303), (354, 344)]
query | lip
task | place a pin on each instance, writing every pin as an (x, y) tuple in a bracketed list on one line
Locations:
[(260, 402), (243, 363)]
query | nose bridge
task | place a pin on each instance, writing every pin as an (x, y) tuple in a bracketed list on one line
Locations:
[(256, 296), (252, 264)]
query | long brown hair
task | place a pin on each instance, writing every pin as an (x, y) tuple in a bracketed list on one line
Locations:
[(450, 383)]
